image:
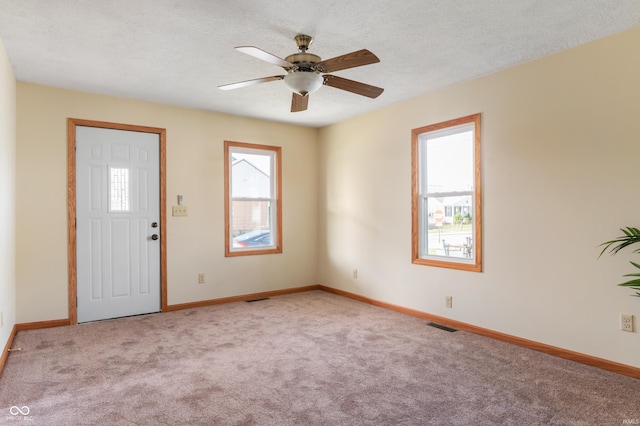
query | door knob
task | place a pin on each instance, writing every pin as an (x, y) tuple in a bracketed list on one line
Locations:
[(154, 237), (154, 224)]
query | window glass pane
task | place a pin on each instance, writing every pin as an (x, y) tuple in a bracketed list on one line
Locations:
[(119, 189), (251, 175), (449, 162), (449, 235), (250, 216)]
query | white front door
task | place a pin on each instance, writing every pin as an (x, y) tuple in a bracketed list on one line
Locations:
[(117, 223)]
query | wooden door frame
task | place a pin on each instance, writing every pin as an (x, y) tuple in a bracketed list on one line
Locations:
[(71, 205)]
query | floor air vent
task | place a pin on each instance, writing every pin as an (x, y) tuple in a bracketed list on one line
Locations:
[(442, 327), (258, 300)]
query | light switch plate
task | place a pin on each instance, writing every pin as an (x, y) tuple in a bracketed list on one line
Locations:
[(179, 211)]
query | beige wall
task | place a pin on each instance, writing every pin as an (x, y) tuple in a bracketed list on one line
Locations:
[(560, 148), (194, 169), (7, 194), (559, 144)]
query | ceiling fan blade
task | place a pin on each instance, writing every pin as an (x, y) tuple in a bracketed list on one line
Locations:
[(353, 86), (250, 82), (265, 56), (299, 102), (350, 60)]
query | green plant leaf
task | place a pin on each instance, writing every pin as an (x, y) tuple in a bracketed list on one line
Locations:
[(637, 289), (631, 236), (630, 283)]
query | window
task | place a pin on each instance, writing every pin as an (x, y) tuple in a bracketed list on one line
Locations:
[(446, 196), (119, 189), (253, 203)]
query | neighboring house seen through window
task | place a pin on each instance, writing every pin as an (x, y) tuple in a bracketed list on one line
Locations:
[(446, 200), (252, 199)]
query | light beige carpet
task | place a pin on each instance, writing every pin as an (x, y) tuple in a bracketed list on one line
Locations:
[(303, 359)]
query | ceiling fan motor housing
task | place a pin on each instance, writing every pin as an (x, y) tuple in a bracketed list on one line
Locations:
[(303, 61)]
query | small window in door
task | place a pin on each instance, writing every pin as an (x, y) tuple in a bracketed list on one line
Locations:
[(119, 189)]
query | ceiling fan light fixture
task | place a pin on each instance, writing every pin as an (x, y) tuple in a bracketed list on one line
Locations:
[(307, 72), (303, 83)]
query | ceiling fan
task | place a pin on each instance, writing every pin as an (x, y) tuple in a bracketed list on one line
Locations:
[(306, 72)]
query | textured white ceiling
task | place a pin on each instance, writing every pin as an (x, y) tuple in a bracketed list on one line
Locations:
[(178, 51)]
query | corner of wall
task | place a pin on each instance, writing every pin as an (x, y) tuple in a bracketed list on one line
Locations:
[(8, 194)]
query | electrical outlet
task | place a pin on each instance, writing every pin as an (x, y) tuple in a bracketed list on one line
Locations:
[(179, 211), (626, 322), (201, 278), (355, 274), (448, 302)]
